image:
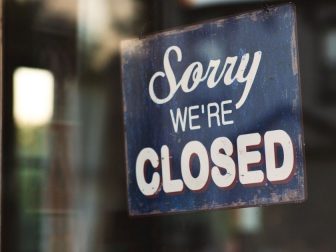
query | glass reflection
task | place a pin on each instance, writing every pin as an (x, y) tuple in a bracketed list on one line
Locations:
[(64, 185)]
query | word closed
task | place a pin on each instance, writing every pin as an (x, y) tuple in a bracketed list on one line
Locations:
[(224, 170)]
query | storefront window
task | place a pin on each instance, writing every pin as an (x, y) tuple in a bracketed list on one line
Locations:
[(64, 168)]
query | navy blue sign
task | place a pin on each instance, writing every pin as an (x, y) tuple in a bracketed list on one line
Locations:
[(213, 115)]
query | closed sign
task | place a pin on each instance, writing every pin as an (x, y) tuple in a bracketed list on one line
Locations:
[(213, 115)]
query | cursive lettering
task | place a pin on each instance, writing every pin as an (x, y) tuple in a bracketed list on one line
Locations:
[(194, 74)]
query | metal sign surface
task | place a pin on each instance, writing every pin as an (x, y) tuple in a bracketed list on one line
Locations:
[(213, 115)]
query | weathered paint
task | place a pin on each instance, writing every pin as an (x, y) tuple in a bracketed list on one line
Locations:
[(273, 103)]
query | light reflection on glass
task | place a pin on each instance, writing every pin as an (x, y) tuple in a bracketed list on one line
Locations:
[(33, 96), (249, 220), (330, 48)]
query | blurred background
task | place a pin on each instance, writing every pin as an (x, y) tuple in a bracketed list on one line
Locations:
[(64, 183)]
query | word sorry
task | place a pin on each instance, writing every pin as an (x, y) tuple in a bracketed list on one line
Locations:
[(195, 72), (224, 171)]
